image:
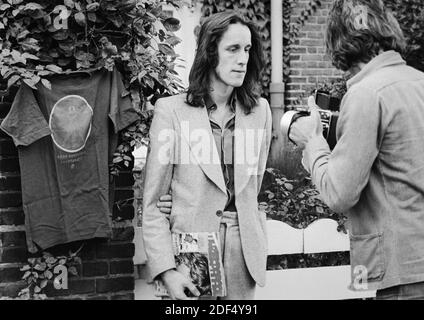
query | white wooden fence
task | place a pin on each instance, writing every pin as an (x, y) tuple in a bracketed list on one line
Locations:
[(322, 283), (318, 283)]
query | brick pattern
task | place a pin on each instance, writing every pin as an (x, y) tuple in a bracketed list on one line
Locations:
[(308, 62), (107, 269)]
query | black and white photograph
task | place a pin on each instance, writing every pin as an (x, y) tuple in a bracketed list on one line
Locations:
[(236, 152)]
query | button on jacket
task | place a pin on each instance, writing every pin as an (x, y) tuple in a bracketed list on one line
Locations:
[(376, 171)]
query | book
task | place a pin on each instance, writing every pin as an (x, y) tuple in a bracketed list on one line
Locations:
[(198, 256)]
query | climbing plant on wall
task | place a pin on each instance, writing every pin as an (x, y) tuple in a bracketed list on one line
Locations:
[(45, 37), (259, 13), (410, 14)]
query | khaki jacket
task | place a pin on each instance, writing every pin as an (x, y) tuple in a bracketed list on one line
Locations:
[(183, 158)]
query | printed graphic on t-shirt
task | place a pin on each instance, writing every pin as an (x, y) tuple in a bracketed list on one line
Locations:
[(70, 123)]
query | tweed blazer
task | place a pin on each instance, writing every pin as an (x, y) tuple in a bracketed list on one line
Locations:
[(183, 159)]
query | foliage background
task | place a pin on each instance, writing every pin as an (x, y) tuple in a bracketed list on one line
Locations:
[(410, 14), (136, 36)]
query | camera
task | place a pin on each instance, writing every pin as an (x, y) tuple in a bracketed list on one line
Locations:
[(329, 107)]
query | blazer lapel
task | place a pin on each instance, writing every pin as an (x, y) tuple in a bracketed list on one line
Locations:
[(197, 133), (248, 138)]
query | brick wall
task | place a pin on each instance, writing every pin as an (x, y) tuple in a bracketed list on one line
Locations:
[(107, 268), (309, 63)]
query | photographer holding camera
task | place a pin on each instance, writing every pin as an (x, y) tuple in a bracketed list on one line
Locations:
[(375, 173)]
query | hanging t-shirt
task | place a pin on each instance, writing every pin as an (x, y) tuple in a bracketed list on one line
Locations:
[(65, 138)]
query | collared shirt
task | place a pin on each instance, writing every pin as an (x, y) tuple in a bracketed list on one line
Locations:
[(224, 140), (375, 173)]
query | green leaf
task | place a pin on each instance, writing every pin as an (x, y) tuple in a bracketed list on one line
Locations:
[(32, 81), (43, 284), (33, 6), (117, 159), (54, 68), (69, 3), (48, 274), (30, 44), (23, 291), (72, 270), (25, 268), (60, 35), (27, 55), (172, 24), (80, 19), (319, 209), (37, 289), (92, 16), (40, 267), (93, 6), (43, 73), (166, 49), (4, 6), (12, 80), (22, 34), (46, 83), (173, 41), (26, 275), (288, 186)]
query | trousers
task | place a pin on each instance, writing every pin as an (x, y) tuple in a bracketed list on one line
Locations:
[(240, 284), (411, 291)]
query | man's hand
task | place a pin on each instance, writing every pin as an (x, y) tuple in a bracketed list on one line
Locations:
[(177, 283), (306, 128), (165, 204)]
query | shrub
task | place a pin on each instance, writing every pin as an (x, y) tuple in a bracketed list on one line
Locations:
[(297, 203), (410, 14)]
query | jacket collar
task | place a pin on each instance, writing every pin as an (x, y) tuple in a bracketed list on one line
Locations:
[(385, 59), (211, 105), (198, 121)]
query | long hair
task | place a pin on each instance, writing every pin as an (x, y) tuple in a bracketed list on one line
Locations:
[(206, 60), (358, 29)]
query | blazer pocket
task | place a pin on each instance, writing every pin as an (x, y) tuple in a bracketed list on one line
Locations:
[(368, 252)]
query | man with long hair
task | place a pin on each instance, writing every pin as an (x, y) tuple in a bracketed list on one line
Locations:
[(375, 174), (214, 162)]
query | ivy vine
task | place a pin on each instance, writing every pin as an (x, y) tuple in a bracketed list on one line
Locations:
[(45, 37), (40, 270)]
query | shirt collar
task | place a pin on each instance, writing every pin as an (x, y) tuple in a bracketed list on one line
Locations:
[(385, 59), (211, 105)]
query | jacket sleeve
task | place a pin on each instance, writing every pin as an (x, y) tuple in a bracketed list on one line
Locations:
[(266, 144), (158, 176), (341, 175)]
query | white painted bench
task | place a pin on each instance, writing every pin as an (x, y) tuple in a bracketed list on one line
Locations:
[(318, 283)]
